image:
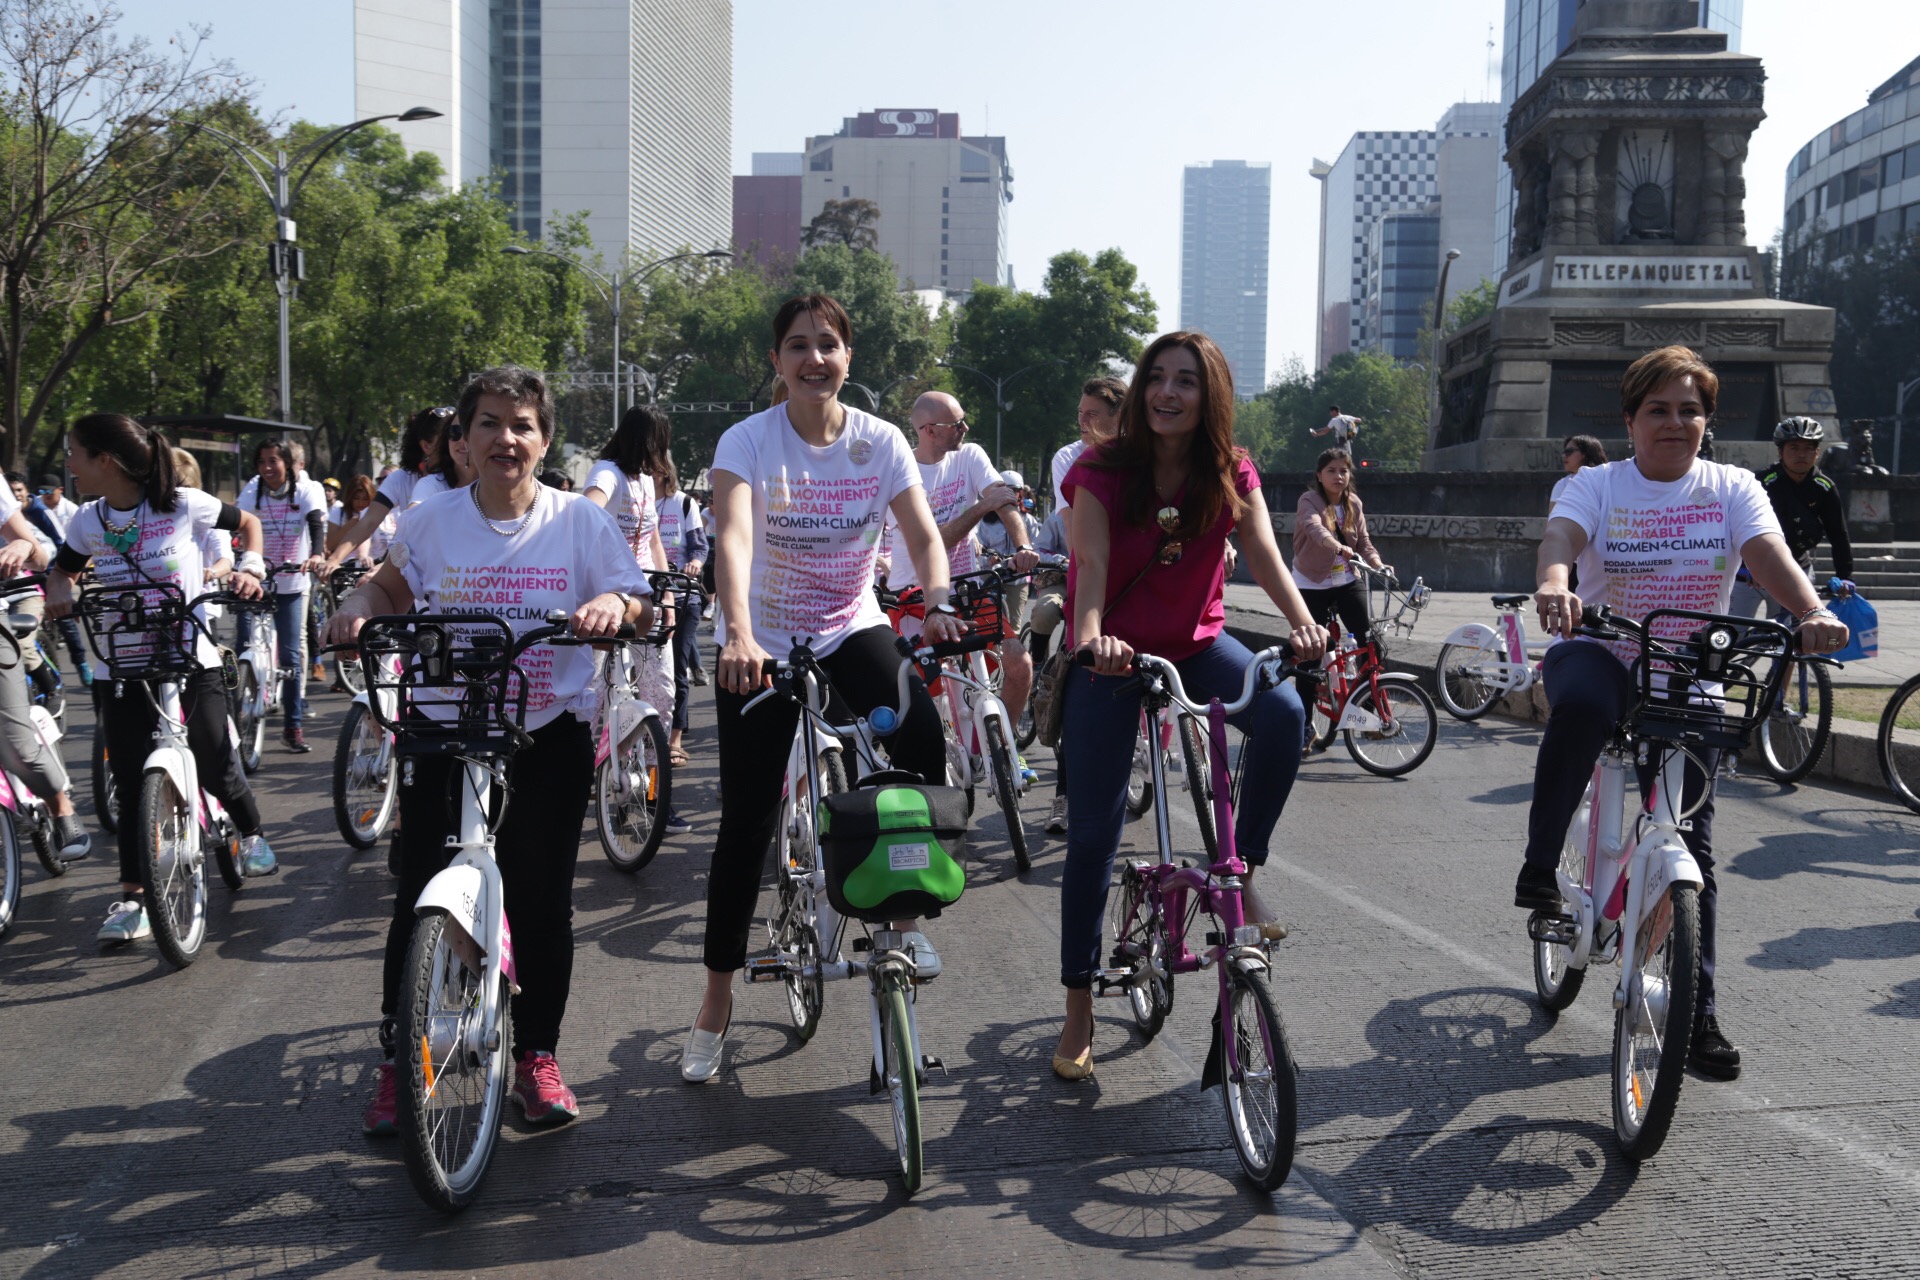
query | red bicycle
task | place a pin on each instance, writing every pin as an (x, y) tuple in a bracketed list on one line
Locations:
[(1387, 717)]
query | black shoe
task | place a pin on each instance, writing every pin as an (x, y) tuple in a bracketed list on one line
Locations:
[(295, 741), (70, 839), (1537, 889), (1711, 1053)]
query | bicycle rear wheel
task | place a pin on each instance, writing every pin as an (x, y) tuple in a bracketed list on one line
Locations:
[(900, 1074), (1899, 743), (1008, 792), (1257, 1085), (1797, 726), (1028, 725), (173, 874), (1199, 764), (1408, 727), (1461, 674), (365, 790), (252, 726), (632, 797), (450, 1099), (9, 871), (1553, 980), (1140, 943), (1651, 1035)]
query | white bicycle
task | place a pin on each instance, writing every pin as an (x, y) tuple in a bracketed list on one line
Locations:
[(1478, 664), (257, 696), (633, 775), (1634, 892)]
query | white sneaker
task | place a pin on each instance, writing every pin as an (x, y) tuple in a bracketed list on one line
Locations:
[(1057, 816), (126, 922), (926, 961)]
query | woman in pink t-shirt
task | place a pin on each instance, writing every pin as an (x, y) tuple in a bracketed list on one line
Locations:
[(1156, 505)]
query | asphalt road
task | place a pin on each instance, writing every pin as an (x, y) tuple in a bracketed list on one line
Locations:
[(206, 1122)]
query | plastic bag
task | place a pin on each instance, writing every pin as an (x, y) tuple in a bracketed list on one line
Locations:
[(1863, 626)]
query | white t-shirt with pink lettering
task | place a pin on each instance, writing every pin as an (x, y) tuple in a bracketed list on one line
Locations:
[(953, 484), (568, 552), (631, 503), (1665, 544), (284, 533), (159, 547), (817, 517)]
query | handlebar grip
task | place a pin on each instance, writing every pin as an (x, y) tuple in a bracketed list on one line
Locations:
[(770, 667)]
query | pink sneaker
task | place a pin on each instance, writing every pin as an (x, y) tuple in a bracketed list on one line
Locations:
[(543, 1096), (382, 1116)]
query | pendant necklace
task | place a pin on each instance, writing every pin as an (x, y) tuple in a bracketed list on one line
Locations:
[(120, 539), (517, 528)]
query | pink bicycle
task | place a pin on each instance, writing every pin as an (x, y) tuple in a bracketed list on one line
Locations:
[(1157, 902), (1479, 664)]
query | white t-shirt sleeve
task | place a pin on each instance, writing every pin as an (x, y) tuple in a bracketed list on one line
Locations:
[(8, 504), (397, 489), (1062, 463), (1584, 500), (602, 554), (737, 454), (980, 469), (1750, 512), (898, 471), (605, 477)]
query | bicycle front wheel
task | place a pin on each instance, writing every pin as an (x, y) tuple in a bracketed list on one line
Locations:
[(9, 871), (106, 796), (1407, 730), (452, 1071), (1463, 676), (365, 783), (1651, 1035), (1140, 777), (900, 1073), (633, 797), (1797, 726), (1258, 1087), (1140, 944), (173, 873), (1199, 764), (252, 726), (1008, 791), (1899, 741), (351, 677)]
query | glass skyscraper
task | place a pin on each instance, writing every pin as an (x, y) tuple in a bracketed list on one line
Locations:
[(1225, 212)]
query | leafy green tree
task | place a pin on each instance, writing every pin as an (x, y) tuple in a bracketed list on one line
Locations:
[(1389, 396), (1470, 304), (1875, 294), (848, 223)]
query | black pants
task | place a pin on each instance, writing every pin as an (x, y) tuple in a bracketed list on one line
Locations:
[(1589, 690), (753, 762), (686, 656), (536, 846), (130, 720), (1349, 604)]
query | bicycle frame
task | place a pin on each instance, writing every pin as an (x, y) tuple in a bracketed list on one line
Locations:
[(968, 703), (469, 892), (1335, 697), (626, 711), (1519, 669)]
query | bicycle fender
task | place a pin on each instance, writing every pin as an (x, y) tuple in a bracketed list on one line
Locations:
[(44, 724), (1477, 634), (628, 718), (1214, 1072), (1671, 865), (168, 761)]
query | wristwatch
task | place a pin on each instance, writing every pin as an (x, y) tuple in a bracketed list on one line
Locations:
[(944, 607)]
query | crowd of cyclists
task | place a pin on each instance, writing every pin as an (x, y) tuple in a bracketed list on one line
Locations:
[(812, 504)]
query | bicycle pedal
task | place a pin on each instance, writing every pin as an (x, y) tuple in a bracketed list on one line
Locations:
[(930, 1063), (1111, 982), (1562, 930), (766, 966)]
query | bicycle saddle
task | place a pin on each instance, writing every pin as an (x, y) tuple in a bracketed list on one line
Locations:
[(1510, 602), (22, 624)]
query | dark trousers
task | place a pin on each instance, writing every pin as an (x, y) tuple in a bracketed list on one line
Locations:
[(130, 720), (1101, 725), (1349, 605), (686, 657), (1589, 690), (753, 763), (536, 846)]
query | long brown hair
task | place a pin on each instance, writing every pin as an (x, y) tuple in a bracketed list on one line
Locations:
[(1214, 458)]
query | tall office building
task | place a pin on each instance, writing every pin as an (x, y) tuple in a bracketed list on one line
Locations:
[(1445, 173), (1225, 213), (766, 208), (1857, 183), (622, 109), (1537, 32), (942, 197)]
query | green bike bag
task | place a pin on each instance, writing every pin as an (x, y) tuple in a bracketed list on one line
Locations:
[(894, 849)]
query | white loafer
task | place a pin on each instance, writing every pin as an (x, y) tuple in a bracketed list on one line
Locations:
[(701, 1061)]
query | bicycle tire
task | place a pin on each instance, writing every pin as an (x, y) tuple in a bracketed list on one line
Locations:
[(627, 845), (224, 844), (175, 884), (1140, 779), (1262, 1103), (1320, 720), (1789, 748), (806, 994), (1641, 1135), (1412, 711), (362, 806), (423, 1074), (1139, 943), (10, 871), (1464, 691), (1194, 754), (1555, 983), (42, 840), (106, 796), (1027, 727), (252, 727), (900, 1075), (1900, 760), (347, 671), (1009, 795)]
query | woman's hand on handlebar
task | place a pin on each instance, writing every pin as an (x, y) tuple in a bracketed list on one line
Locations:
[(942, 628), (1559, 610), (1112, 656), (15, 557), (599, 617), (245, 585), (1308, 642), (344, 623), (742, 666), (1821, 633)]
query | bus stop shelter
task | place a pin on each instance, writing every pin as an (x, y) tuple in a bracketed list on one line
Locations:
[(222, 440)]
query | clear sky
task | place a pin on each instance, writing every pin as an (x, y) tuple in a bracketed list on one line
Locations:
[(1103, 102)]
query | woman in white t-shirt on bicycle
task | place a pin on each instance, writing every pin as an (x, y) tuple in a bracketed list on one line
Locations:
[(504, 536), (800, 493), (423, 469)]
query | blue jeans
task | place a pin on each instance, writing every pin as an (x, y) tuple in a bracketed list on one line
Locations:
[(290, 640), (1099, 729)]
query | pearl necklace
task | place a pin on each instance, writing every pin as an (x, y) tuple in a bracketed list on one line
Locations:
[(474, 490)]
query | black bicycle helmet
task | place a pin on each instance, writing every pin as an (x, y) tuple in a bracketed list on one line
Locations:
[(1799, 429)]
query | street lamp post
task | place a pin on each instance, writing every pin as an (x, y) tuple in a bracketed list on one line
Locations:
[(611, 289), (284, 259), (999, 391), (876, 398), (1900, 417), (1433, 369)]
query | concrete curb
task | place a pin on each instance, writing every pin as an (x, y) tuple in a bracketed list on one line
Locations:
[(1852, 756)]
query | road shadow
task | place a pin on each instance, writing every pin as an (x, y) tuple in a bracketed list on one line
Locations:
[(1846, 843)]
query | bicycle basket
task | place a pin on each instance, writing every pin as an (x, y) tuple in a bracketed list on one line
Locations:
[(140, 631), (454, 690), (1702, 690), (894, 850)]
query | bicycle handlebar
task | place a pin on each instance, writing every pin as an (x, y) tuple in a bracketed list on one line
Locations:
[(802, 659), (1277, 661)]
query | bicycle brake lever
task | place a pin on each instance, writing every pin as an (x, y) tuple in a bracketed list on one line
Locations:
[(758, 698)]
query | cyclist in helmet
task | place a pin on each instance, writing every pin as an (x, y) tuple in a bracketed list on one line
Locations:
[(1808, 507)]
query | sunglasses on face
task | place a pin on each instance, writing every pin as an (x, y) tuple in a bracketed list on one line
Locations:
[(958, 424)]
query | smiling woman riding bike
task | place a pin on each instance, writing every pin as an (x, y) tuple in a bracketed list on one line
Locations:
[(1151, 514), (1670, 530), (509, 546)]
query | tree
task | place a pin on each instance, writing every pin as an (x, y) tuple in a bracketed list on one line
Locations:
[(1875, 294), (1470, 304), (105, 197), (1390, 396), (849, 223)]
